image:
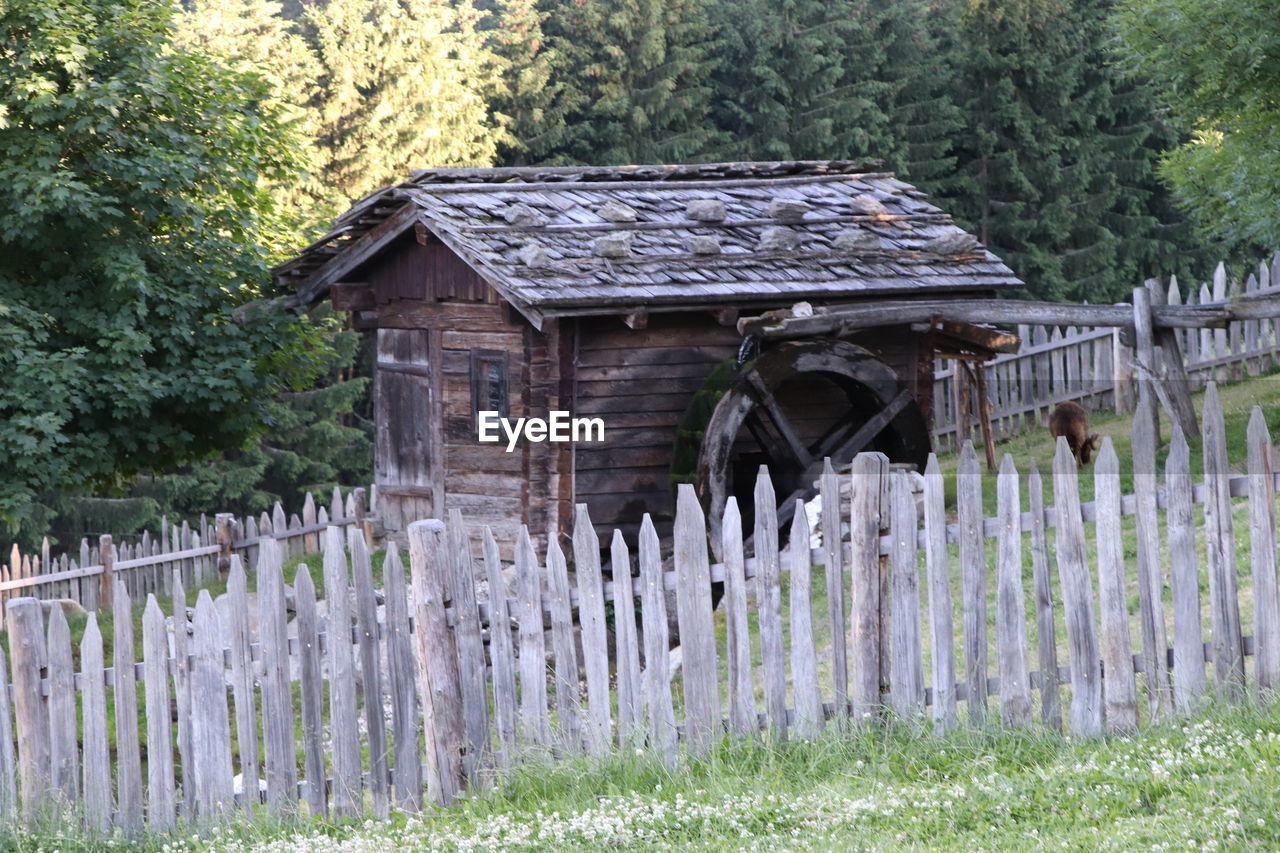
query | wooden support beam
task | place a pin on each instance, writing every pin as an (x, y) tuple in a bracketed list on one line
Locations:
[(844, 320), (1173, 369)]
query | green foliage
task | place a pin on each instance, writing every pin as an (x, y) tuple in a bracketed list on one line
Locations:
[(634, 81), (1217, 66), (317, 438), (134, 217), (1055, 163), (402, 85), (855, 79)]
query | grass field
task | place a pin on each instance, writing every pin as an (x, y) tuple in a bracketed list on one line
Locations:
[(1203, 785)]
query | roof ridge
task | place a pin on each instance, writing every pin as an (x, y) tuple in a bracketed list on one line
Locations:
[(757, 169)]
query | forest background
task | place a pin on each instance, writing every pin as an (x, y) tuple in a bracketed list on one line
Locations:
[(1090, 144)]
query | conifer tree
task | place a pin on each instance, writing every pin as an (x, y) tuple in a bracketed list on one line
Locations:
[(1055, 160), (851, 79), (401, 86), (635, 81)]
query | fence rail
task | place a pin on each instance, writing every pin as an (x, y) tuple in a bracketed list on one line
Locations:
[(420, 689), (1094, 366)]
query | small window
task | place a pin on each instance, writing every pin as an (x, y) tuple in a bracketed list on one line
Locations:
[(489, 382)]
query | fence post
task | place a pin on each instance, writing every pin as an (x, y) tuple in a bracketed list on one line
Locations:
[(106, 581), (1173, 372), (869, 478), (1121, 373), (1145, 356), (437, 658), (225, 534), (31, 716)]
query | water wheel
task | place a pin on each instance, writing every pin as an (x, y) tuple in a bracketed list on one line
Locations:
[(792, 406)]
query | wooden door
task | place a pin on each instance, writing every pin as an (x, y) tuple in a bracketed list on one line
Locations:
[(407, 463)]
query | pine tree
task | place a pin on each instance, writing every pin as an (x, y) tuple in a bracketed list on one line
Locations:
[(401, 85), (1055, 162), (635, 81), (530, 100), (852, 79)]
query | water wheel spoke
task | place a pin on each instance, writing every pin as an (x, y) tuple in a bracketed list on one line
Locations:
[(764, 397)]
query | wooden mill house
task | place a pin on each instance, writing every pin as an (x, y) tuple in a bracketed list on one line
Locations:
[(618, 293)]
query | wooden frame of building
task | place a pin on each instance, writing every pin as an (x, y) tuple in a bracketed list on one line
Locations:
[(615, 292)]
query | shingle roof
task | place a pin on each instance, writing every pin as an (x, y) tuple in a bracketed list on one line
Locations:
[(561, 240)]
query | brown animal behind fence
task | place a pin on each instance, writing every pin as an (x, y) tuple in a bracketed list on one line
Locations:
[(340, 762), (1071, 421)]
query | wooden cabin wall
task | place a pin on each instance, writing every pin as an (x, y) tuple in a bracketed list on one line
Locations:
[(428, 459), (640, 383)]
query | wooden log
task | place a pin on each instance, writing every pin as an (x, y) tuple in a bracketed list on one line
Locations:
[(1184, 583), (371, 668), (906, 695), (437, 660), (182, 689), (279, 747), (311, 696), (28, 657), (161, 796), (1120, 689), (95, 760), (534, 725), (406, 773), (564, 650), (630, 689), (236, 618), (973, 581), (63, 751), (868, 506), (832, 561), (1262, 549), (942, 647), (501, 653), (769, 604), (210, 725), (1077, 596), (595, 644), (1011, 619), (1150, 583), (694, 616), (742, 706), (657, 681), (804, 653), (1219, 532), (345, 797), (1046, 639)]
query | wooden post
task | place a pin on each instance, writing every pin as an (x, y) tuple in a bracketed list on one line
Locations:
[(128, 754), (1184, 582), (1046, 641), (869, 478), (1150, 583), (28, 657), (437, 659), (1262, 539), (973, 580), (694, 616), (225, 522), (657, 682), (1173, 370), (769, 604), (942, 632), (1149, 379), (984, 415), (1011, 617), (1120, 691), (1077, 596), (106, 581), (1219, 532), (1121, 373), (591, 620), (742, 708)]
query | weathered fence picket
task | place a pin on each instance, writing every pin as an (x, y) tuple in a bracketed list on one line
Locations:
[(1011, 617), (1120, 692), (941, 630)]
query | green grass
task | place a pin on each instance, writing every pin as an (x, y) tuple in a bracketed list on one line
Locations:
[(1204, 785)]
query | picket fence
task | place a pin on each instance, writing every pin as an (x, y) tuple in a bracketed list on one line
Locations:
[(370, 679), (195, 552), (1093, 365)]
